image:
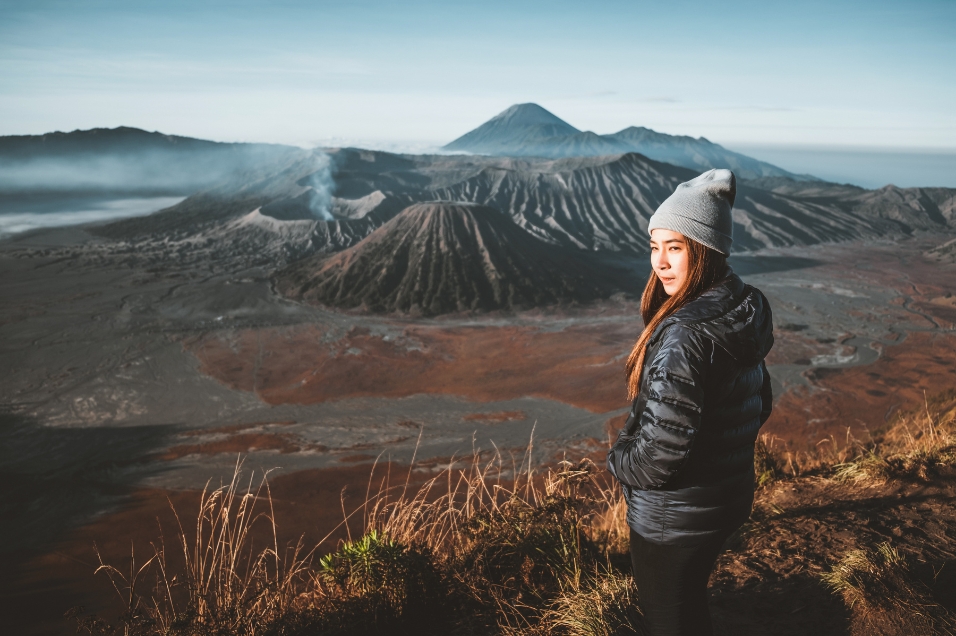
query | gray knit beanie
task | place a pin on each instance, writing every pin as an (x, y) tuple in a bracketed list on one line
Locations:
[(700, 209)]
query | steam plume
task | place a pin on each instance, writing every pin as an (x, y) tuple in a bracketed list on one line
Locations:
[(320, 198)]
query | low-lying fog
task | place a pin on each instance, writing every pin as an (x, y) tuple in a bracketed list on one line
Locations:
[(108, 174), (20, 214)]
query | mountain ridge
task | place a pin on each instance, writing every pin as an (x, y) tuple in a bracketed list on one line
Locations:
[(589, 203), (125, 159), (516, 131), (120, 138)]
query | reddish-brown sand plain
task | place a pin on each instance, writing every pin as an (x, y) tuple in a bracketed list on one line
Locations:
[(865, 397), (918, 359), (579, 365)]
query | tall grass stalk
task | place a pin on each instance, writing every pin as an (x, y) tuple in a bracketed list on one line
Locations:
[(226, 582)]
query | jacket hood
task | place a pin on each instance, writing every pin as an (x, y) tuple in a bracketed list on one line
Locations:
[(734, 315)]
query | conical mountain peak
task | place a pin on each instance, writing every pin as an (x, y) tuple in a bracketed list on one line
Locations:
[(520, 126), (528, 130), (440, 257), (531, 115)]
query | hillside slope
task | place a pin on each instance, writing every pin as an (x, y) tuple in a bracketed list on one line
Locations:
[(444, 257), (606, 204)]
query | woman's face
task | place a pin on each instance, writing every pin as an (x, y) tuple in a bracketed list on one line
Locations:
[(669, 259)]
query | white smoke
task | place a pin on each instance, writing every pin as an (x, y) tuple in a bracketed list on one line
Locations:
[(322, 184)]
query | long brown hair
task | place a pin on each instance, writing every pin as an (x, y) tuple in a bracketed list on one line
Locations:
[(705, 266)]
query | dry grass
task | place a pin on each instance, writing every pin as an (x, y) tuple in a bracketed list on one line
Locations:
[(819, 459), (917, 446), (768, 466), (606, 606), (879, 587), (227, 584)]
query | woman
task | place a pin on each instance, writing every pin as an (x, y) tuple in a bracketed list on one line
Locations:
[(700, 392)]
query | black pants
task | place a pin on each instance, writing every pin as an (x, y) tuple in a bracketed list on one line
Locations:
[(672, 585)]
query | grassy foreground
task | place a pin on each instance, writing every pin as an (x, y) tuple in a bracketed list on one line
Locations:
[(858, 537)]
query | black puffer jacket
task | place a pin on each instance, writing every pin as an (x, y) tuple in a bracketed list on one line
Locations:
[(685, 456)]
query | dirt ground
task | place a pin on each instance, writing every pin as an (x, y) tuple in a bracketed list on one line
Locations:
[(579, 365), (770, 582), (863, 398)]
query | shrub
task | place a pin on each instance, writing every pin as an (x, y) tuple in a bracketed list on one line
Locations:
[(519, 549), (377, 583)]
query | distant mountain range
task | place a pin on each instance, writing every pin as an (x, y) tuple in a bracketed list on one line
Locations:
[(430, 234), (125, 160), (99, 141), (528, 130)]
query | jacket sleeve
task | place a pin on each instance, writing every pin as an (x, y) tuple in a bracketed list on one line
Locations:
[(766, 395), (669, 422)]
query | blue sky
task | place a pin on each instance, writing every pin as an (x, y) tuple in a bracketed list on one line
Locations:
[(418, 73)]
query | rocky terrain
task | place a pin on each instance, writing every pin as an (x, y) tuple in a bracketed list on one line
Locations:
[(598, 205), (605, 204), (945, 252)]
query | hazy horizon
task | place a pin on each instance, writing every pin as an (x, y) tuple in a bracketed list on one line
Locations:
[(867, 167), (864, 74)]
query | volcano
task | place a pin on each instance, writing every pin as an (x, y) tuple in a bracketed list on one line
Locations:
[(517, 130), (443, 257), (528, 130)]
